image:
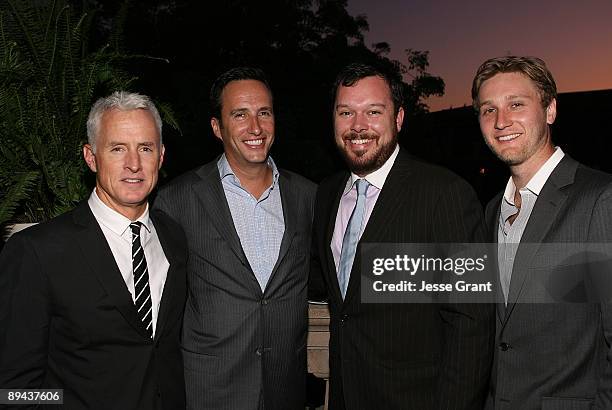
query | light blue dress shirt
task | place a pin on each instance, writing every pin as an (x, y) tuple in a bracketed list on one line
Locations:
[(260, 223)]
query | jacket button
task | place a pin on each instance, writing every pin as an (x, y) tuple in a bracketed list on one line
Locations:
[(344, 318), (504, 346), (264, 302), (258, 351)]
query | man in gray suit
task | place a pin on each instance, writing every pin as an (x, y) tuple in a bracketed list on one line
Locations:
[(248, 229), (550, 354)]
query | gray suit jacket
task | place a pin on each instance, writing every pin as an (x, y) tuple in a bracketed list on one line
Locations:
[(242, 347), (555, 356)]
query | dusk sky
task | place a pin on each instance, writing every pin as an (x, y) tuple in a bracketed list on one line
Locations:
[(573, 37)]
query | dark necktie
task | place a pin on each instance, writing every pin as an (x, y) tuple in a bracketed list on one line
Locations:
[(142, 291), (351, 236)]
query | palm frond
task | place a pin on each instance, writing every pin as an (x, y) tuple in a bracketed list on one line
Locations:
[(49, 79), (19, 189)]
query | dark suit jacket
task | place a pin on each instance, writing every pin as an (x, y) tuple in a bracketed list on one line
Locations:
[(242, 345), (69, 321), (555, 356), (404, 356)]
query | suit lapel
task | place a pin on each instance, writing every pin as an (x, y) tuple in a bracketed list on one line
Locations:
[(173, 278), (388, 200), (329, 233), (493, 225), (98, 255), (544, 214), (290, 207), (209, 192)]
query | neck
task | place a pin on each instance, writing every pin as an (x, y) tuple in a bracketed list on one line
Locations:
[(523, 172), (255, 178)]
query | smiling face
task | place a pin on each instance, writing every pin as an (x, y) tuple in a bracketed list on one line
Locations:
[(127, 159), (365, 124), (246, 126), (513, 121)]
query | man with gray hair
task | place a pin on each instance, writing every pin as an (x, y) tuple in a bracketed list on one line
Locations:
[(93, 299)]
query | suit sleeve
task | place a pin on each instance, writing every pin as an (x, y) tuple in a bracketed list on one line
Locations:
[(600, 231), (161, 203), (469, 328), (24, 315), (316, 283)]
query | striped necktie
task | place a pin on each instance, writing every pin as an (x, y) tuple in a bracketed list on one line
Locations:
[(142, 292), (351, 236)]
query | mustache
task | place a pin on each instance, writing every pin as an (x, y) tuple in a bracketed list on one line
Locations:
[(350, 136)]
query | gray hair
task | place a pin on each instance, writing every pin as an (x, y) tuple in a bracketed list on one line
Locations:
[(120, 100)]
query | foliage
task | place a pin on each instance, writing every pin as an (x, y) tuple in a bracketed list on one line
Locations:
[(301, 44), (423, 84), (48, 81)]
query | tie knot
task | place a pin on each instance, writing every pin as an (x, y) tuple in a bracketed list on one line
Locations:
[(362, 186), (135, 228)]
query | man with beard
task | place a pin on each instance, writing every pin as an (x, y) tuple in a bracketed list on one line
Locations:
[(550, 355), (393, 356)]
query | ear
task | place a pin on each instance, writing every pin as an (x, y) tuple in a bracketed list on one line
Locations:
[(90, 157), (399, 119), (161, 156), (551, 111), (216, 127)]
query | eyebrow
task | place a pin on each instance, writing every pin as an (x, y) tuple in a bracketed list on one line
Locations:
[(507, 98), (145, 143), (369, 105), (242, 110), (511, 97)]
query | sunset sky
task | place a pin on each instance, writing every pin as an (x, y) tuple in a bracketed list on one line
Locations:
[(573, 37)]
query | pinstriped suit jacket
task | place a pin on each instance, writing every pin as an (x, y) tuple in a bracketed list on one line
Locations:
[(404, 356), (242, 347), (555, 356)]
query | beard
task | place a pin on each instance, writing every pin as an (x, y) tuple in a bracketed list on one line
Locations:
[(534, 142), (366, 162), (509, 159)]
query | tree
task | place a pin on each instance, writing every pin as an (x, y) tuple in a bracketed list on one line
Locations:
[(301, 44)]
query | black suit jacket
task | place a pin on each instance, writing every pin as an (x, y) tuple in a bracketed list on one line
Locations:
[(68, 320), (404, 356), (556, 355)]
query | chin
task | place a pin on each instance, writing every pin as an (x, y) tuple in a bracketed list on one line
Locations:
[(369, 161), (258, 160), (362, 167), (135, 199), (510, 158)]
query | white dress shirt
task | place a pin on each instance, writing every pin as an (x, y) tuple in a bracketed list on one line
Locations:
[(509, 234), (118, 234)]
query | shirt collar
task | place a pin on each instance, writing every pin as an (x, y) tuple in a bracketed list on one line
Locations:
[(112, 219), (225, 170), (376, 178), (536, 183)]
